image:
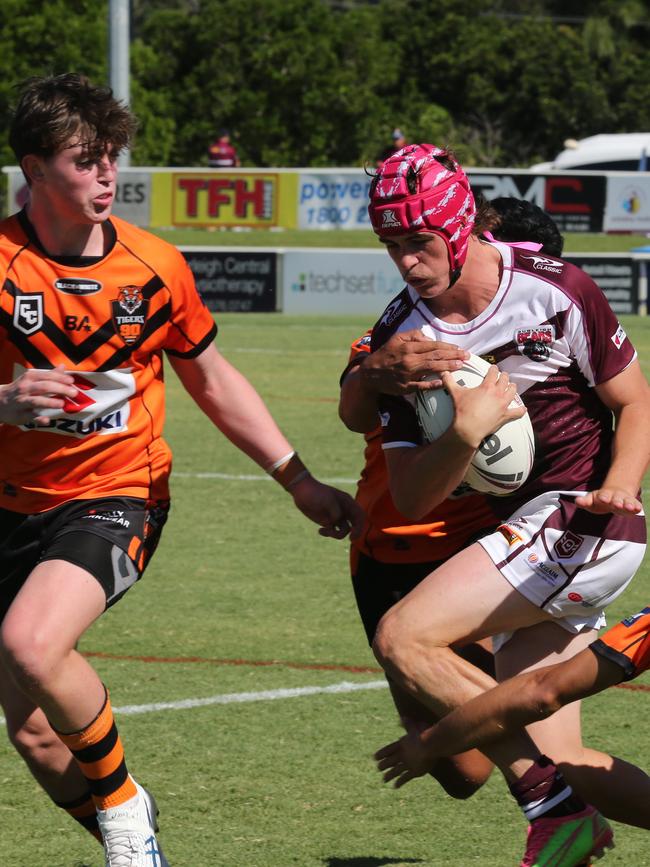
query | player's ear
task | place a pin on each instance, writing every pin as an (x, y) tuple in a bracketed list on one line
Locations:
[(32, 167)]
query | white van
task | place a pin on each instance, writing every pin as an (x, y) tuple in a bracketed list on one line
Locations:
[(628, 151)]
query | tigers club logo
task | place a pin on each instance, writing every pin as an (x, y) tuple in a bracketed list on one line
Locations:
[(130, 313)]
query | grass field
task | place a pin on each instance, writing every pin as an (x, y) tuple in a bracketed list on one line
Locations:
[(583, 242), (250, 701)]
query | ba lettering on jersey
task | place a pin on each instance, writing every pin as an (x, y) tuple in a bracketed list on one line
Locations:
[(107, 322)]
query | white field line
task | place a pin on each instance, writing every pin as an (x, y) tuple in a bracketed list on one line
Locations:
[(243, 697), (244, 477)]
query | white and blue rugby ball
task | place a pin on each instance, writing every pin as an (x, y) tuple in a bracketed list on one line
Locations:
[(503, 461)]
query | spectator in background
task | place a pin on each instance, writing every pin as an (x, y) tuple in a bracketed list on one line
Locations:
[(221, 153), (398, 142)]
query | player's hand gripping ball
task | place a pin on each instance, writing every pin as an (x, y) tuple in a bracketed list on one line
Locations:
[(503, 461)]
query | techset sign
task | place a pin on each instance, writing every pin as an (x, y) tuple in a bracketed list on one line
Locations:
[(338, 281)]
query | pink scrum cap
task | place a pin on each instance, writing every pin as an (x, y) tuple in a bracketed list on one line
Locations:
[(413, 191)]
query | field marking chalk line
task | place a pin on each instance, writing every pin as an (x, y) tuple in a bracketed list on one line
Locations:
[(244, 697)]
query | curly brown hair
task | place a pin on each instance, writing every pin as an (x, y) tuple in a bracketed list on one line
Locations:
[(53, 111)]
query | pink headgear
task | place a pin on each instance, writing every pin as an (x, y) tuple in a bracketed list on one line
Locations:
[(413, 191)]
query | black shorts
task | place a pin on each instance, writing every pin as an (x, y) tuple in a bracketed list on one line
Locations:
[(378, 586), (112, 538)]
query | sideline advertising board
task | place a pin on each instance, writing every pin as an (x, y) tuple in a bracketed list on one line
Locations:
[(333, 201), (364, 281), (576, 202), (254, 199), (234, 281), (628, 203), (338, 281), (617, 274)]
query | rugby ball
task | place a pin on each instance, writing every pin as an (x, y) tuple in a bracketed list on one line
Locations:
[(503, 461)]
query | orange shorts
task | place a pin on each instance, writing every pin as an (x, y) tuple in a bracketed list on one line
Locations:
[(628, 644)]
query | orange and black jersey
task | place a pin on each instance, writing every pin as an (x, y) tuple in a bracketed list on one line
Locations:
[(387, 536), (108, 320), (627, 644)]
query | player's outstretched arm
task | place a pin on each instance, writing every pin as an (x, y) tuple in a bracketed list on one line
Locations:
[(628, 396), (233, 405), (511, 706)]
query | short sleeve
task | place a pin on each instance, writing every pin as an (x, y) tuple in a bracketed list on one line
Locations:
[(192, 327)]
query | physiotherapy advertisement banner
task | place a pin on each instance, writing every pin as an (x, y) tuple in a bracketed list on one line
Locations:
[(234, 281)]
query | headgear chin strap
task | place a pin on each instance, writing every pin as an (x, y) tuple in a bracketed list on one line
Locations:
[(413, 191)]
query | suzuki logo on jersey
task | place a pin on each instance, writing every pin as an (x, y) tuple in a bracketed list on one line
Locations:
[(100, 406), (130, 313), (541, 263), (28, 313), (77, 286), (535, 343)]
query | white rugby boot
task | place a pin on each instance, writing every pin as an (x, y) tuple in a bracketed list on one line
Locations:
[(129, 833)]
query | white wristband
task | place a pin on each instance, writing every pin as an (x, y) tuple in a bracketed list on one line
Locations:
[(277, 464)]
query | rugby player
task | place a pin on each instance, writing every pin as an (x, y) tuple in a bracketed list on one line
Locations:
[(574, 534), (88, 306)]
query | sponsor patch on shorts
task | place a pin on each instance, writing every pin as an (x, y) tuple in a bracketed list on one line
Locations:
[(509, 534)]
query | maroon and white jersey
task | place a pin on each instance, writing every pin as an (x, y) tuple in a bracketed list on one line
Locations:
[(550, 327)]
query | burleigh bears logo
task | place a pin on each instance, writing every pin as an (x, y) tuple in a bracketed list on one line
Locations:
[(130, 313)]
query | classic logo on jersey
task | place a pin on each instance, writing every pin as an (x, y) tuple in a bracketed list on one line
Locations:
[(100, 406), (541, 263), (394, 309), (389, 220), (384, 418), (28, 313), (77, 286), (535, 343), (130, 313), (567, 545), (618, 337)]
